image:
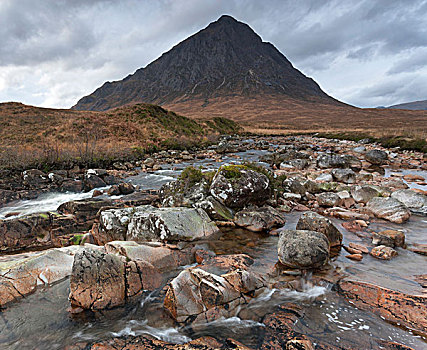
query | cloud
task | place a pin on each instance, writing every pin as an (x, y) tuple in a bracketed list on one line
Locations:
[(55, 51)]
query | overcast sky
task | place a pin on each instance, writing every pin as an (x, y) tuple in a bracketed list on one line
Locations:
[(366, 53)]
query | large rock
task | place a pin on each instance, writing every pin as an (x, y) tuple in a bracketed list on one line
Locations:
[(312, 221), (376, 157), (237, 186), (397, 307), (389, 238), (199, 296), (160, 256), (147, 223), (415, 201), (21, 274), (347, 176), (97, 280), (389, 209), (363, 194), (332, 161), (328, 199), (170, 224), (259, 219), (303, 249), (92, 181), (101, 280)]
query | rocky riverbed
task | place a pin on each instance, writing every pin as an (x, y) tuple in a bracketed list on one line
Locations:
[(270, 243)]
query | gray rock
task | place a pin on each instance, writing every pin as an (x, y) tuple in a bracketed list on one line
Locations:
[(332, 161), (376, 157), (303, 249), (363, 194), (347, 176), (239, 187), (389, 209), (416, 202), (198, 296), (294, 185), (170, 224), (324, 177), (259, 219), (312, 221), (328, 199), (92, 181)]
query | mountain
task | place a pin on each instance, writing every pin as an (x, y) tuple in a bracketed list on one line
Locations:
[(227, 59), (414, 106)]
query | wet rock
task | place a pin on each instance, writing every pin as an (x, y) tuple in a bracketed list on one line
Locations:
[(126, 188), (238, 186), (418, 248), (376, 157), (198, 296), (71, 186), (389, 209), (328, 199), (363, 194), (347, 176), (359, 247), (215, 209), (355, 256), (162, 258), (416, 202), (259, 219), (170, 224), (383, 252), (21, 274), (84, 210), (147, 223), (35, 178), (294, 185), (139, 276), (299, 344), (97, 280), (324, 178), (397, 307), (114, 190), (226, 263), (332, 161), (312, 221), (92, 181), (345, 214), (389, 238), (303, 249)]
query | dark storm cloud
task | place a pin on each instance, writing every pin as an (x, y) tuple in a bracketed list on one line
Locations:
[(55, 51)]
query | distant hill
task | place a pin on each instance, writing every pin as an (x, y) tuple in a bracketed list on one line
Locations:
[(414, 106)]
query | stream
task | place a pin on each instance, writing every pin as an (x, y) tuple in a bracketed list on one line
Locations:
[(41, 320)]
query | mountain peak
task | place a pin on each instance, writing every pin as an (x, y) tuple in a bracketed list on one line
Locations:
[(227, 58)]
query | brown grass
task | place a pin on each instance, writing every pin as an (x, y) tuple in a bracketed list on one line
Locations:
[(278, 115)]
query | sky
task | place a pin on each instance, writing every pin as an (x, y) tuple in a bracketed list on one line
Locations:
[(366, 53)]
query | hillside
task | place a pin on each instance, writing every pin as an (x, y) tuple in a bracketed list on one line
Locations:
[(415, 106), (41, 134)]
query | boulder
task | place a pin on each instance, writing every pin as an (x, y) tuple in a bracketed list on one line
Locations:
[(100, 280), (215, 209), (389, 238), (237, 186), (363, 194), (35, 178), (162, 257), (303, 249), (383, 252), (394, 306), (198, 296), (92, 181), (21, 274), (259, 219), (324, 177), (389, 209), (170, 224), (294, 185), (416, 202), (126, 188), (332, 161), (328, 199), (312, 221), (376, 157), (347, 176), (112, 225)]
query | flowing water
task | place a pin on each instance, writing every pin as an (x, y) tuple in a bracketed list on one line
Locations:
[(41, 320)]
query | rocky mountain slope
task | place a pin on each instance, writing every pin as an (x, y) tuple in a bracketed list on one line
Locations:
[(225, 59)]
